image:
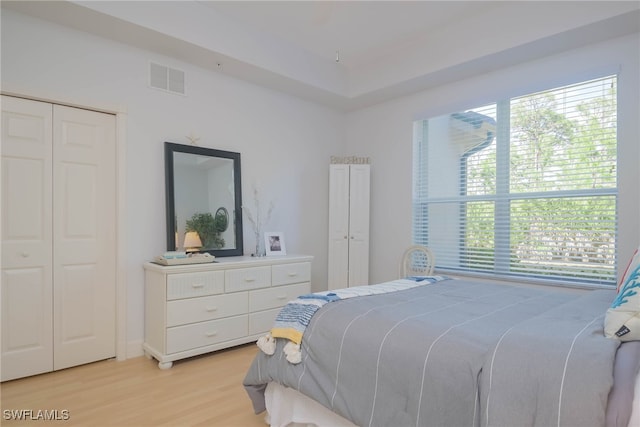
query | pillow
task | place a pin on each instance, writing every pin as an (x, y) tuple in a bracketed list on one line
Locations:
[(623, 317), (635, 258)]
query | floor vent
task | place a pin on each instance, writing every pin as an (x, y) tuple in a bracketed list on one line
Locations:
[(165, 78)]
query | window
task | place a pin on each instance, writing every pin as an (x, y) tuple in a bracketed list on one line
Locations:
[(524, 187)]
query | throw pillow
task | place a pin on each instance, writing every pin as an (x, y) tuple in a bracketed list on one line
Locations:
[(622, 320)]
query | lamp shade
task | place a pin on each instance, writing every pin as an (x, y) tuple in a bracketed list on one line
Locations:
[(192, 241)]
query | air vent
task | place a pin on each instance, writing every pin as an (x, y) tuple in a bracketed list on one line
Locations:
[(165, 78)]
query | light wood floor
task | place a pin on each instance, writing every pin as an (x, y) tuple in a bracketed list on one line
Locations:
[(201, 391)]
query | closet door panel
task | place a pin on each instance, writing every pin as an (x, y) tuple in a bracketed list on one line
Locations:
[(26, 213), (26, 323), (27, 343), (338, 262), (77, 212), (84, 238), (359, 191)]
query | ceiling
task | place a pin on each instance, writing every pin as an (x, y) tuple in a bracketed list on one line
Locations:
[(347, 54), (360, 31)]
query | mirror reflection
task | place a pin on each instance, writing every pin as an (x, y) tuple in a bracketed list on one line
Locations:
[(203, 200)]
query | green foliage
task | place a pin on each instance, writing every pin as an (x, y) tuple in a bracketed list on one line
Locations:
[(550, 151), (207, 228)]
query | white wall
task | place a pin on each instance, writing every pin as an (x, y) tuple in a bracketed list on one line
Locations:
[(385, 133), (285, 143)]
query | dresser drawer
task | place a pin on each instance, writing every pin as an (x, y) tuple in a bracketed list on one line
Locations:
[(264, 299), (188, 337), (187, 285), (243, 279), (285, 274), (191, 310), (262, 321)]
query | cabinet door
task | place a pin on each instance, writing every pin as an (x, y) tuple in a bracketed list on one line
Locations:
[(359, 225), (27, 345), (348, 225), (84, 238), (338, 261)]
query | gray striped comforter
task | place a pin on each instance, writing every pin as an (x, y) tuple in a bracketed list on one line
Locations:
[(455, 353)]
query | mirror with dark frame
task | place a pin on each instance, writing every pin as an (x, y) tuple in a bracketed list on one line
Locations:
[(203, 195)]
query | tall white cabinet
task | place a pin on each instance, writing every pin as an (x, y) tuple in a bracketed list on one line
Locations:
[(349, 197), (58, 246)]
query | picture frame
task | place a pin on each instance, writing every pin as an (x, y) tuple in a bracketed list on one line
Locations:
[(274, 243)]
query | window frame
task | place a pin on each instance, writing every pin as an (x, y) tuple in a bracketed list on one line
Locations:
[(502, 200)]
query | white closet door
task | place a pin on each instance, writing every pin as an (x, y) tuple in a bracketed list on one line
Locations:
[(27, 344), (338, 261), (348, 225), (84, 236), (359, 225)]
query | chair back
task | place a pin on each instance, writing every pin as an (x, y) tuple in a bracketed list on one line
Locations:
[(417, 260)]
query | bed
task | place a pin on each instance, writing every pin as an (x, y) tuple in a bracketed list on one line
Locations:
[(448, 352)]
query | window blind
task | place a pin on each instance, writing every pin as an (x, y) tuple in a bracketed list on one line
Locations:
[(523, 187)]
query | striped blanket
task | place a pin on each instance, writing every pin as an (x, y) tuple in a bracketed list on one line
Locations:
[(295, 316), (455, 353)]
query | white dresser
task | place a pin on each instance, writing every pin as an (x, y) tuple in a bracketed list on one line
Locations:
[(198, 308)]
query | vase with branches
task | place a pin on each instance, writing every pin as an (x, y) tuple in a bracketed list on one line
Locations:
[(257, 222)]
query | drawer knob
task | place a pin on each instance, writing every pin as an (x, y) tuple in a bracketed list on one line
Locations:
[(197, 285), (293, 274), (281, 297), (249, 279), (210, 309), (211, 334)]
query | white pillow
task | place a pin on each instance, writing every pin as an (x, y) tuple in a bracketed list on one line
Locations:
[(623, 317)]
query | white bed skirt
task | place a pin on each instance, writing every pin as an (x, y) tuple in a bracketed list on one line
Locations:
[(287, 407)]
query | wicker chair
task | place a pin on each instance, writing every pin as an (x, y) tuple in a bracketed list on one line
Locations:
[(417, 260)]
